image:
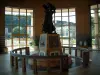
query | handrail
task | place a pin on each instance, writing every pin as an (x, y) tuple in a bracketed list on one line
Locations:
[(36, 57), (14, 59)]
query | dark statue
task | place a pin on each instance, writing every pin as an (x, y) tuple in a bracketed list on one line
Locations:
[(48, 26)]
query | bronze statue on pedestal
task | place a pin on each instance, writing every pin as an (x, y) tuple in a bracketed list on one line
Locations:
[(48, 26)]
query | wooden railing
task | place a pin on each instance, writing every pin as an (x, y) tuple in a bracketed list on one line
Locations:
[(14, 55), (80, 53), (17, 53), (78, 50)]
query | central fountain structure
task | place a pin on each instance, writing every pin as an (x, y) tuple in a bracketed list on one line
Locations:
[(49, 43)]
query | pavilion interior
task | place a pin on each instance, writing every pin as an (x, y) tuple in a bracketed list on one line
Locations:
[(76, 21)]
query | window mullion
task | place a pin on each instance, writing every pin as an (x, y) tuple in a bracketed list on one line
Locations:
[(19, 28), (26, 28), (61, 27), (69, 26), (98, 18), (12, 27)]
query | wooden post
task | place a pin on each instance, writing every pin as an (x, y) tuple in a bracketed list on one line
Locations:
[(35, 66), (85, 58), (12, 61), (23, 65), (48, 65), (67, 65), (20, 51), (16, 62), (64, 64), (70, 51), (81, 53), (75, 52), (27, 51), (63, 49), (61, 64)]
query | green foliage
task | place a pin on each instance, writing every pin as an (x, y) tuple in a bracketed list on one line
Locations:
[(17, 30), (35, 41)]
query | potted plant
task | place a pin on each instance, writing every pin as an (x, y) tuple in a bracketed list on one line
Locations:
[(35, 42)]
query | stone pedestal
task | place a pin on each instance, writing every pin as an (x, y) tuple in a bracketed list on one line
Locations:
[(49, 44)]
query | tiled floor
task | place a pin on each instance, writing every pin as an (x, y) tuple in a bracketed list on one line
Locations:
[(93, 69)]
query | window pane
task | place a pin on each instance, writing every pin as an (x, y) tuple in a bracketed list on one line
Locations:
[(30, 13), (58, 30), (94, 18), (9, 48), (29, 20), (15, 20), (22, 41), (7, 11), (72, 19), (99, 10), (8, 41), (72, 28), (22, 12), (94, 7), (58, 13), (30, 31), (30, 17), (73, 51), (53, 20), (99, 22), (64, 20), (72, 42), (66, 45), (15, 11), (23, 30), (94, 28), (65, 31), (71, 13), (15, 41), (61, 40), (8, 20), (8, 32), (66, 40), (93, 41), (57, 21), (29, 40), (22, 21), (15, 47), (99, 14), (72, 34), (66, 50), (15, 30), (64, 12), (92, 11), (73, 31), (99, 6), (72, 10)]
